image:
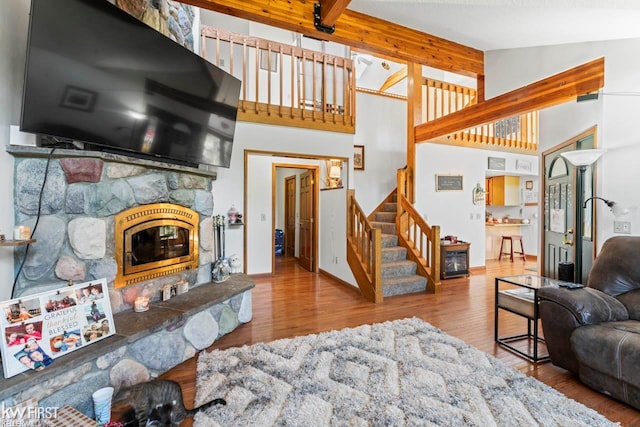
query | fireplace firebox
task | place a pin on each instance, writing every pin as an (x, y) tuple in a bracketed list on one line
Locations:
[(153, 241)]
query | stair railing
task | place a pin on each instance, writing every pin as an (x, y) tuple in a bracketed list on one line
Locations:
[(364, 251), (421, 240)]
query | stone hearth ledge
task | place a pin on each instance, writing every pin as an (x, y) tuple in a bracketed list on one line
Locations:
[(131, 327)]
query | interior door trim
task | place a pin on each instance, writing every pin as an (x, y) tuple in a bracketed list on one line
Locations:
[(253, 152), (543, 186)]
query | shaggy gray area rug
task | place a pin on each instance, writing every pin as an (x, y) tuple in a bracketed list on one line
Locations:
[(400, 373)]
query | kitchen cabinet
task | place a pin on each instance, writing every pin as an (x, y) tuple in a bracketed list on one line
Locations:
[(503, 190)]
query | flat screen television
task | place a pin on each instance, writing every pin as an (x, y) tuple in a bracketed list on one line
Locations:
[(97, 75)]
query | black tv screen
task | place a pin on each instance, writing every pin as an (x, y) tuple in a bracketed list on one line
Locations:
[(97, 75)]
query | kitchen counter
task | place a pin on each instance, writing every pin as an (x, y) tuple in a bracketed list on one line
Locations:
[(495, 231)]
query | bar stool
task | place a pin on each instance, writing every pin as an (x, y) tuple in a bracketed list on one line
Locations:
[(512, 239)]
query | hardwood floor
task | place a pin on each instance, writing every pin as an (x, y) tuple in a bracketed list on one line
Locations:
[(295, 302)]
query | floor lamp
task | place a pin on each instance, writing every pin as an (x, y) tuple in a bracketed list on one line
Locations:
[(581, 159)]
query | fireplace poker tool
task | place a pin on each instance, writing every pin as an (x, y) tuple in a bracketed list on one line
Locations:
[(221, 268)]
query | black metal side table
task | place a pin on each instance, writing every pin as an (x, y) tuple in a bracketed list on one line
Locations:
[(522, 301)]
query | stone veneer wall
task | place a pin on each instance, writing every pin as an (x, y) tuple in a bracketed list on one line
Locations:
[(171, 18), (75, 241), (75, 231), (145, 345)]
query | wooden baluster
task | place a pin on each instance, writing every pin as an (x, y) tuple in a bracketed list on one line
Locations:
[(352, 97), (456, 93), (231, 55), (217, 49), (304, 84), (293, 79), (345, 93), (323, 103), (281, 75), (335, 89), (244, 75), (314, 86), (534, 128), (268, 52), (203, 45), (257, 75), (430, 103), (439, 101)]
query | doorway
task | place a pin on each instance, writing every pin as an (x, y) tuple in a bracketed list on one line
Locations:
[(560, 210), (290, 209), (295, 212)]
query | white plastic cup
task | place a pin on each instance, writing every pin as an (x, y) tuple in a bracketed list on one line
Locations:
[(102, 404)]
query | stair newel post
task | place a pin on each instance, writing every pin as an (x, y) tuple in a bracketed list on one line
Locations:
[(434, 282), (377, 265), (350, 215)]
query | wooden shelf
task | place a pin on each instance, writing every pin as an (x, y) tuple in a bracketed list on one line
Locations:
[(16, 242)]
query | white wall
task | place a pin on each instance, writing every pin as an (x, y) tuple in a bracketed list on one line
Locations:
[(228, 189), (454, 211), (615, 115), (13, 41), (381, 126)]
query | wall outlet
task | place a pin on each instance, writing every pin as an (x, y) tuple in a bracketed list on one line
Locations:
[(622, 227), (263, 217)]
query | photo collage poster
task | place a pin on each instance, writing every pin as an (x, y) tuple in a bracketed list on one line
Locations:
[(37, 329)]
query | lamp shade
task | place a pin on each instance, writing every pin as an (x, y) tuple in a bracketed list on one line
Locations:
[(583, 157), (335, 172)]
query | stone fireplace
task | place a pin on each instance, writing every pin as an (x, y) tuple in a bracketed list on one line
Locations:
[(86, 202), (83, 203)]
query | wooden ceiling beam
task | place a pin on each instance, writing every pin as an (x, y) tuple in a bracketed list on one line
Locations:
[(554, 90), (394, 79), (330, 10), (357, 30)]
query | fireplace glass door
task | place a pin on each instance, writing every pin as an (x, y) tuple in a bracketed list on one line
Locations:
[(156, 243)]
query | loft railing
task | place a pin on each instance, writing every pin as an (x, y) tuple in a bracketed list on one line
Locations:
[(284, 84), (421, 239), (518, 133), (442, 98), (364, 251)]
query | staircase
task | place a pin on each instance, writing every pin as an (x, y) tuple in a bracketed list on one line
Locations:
[(398, 273)]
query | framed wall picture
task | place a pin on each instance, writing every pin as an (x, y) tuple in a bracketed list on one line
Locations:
[(358, 157), (523, 165), (497, 163), (449, 183), (529, 185)]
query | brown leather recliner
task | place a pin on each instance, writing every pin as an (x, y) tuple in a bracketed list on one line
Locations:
[(594, 332)]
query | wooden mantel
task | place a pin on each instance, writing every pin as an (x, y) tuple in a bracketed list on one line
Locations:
[(357, 30)]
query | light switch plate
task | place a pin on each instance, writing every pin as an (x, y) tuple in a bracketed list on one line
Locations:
[(622, 227)]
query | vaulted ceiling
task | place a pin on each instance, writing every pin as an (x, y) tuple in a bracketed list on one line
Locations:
[(504, 24)]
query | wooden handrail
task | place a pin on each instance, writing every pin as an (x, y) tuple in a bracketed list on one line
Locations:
[(421, 240), (364, 251), (285, 84)]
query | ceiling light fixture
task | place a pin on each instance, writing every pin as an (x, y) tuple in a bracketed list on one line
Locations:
[(385, 65)]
